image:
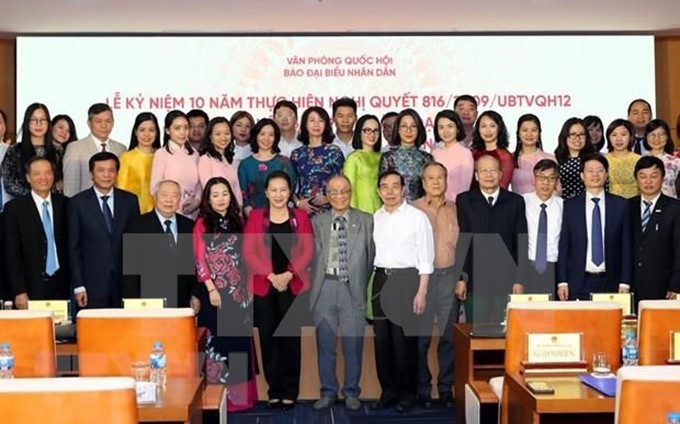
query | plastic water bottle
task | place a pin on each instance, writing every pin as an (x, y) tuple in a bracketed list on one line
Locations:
[(673, 418), (7, 305), (630, 350), (157, 364), (6, 361)]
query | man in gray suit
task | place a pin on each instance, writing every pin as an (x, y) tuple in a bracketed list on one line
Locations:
[(342, 267), (77, 175)]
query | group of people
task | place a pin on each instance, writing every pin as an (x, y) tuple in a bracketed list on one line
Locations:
[(266, 224)]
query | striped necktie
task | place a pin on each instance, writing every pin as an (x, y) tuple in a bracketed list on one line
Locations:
[(646, 214)]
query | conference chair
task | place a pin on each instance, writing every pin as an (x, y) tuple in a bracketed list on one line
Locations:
[(657, 320), (647, 394), (31, 338), (111, 340), (74, 400)]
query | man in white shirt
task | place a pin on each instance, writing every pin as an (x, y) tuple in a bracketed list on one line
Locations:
[(76, 159), (404, 260), (595, 253), (344, 118), (285, 116), (544, 221)]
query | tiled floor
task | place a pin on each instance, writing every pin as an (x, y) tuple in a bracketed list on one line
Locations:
[(304, 413)]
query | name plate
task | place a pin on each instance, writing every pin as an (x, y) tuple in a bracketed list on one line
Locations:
[(623, 299), (546, 348), (58, 308), (153, 303), (146, 392), (675, 347), (536, 297)]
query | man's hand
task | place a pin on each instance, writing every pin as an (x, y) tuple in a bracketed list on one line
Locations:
[(624, 290), (21, 301), (517, 288), (195, 304), (563, 292), (461, 290), (81, 299), (671, 295), (419, 303)]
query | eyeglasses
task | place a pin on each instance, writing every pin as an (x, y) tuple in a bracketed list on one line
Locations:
[(659, 135), (338, 193), (408, 128), (574, 136), (369, 131), (545, 178), (36, 121)]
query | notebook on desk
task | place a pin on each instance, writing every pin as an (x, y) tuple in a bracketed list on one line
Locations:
[(604, 385), (488, 330)]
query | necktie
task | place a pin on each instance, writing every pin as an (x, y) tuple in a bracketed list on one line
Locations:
[(646, 214), (103, 147), (168, 231), (343, 271), (51, 262), (596, 234), (108, 216), (542, 241), (490, 199)]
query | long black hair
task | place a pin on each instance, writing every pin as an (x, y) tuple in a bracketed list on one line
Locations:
[(26, 147), (214, 222)]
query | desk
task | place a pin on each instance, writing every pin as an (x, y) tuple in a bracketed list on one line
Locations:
[(475, 359), (180, 402), (572, 402)]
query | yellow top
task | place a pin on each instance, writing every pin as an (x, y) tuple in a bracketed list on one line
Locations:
[(135, 176), (621, 175)]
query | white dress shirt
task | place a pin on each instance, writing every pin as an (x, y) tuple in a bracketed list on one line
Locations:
[(554, 213), (643, 206), (109, 201), (173, 223), (590, 205), (346, 148), (39, 204), (403, 239), (287, 146), (494, 195), (98, 143)]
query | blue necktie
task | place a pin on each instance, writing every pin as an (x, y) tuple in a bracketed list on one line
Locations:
[(646, 214), (51, 263), (597, 246), (108, 216), (343, 270), (168, 231), (541, 262)]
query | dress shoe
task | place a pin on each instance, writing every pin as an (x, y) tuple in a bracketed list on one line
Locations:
[(426, 402), (382, 403), (446, 400), (325, 402), (352, 403), (404, 406), (287, 404), (274, 404)]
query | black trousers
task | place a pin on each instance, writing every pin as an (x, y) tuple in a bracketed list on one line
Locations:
[(396, 330), (280, 355)]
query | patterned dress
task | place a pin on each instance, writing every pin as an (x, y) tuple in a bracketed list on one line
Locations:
[(361, 168), (672, 165), (313, 167), (409, 162), (621, 175), (570, 178), (523, 176), (218, 257), (252, 176), (14, 175)]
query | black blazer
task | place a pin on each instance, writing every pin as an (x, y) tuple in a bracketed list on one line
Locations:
[(507, 219), (96, 255), (573, 247), (656, 266), (26, 248), (166, 271)]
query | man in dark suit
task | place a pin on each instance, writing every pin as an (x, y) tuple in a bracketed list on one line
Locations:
[(656, 234), (97, 219), (36, 248), (159, 249), (343, 264), (487, 214), (595, 253)]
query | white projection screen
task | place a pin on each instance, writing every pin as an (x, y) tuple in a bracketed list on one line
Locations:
[(554, 77)]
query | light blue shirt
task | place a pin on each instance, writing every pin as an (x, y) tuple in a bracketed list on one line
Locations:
[(109, 201)]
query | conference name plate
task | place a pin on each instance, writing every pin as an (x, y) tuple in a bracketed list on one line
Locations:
[(58, 308), (623, 299), (546, 348), (151, 303), (536, 297)]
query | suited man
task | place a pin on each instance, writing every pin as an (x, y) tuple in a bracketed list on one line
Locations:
[(78, 153), (656, 234), (490, 214), (343, 264), (164, 254), (97, 219), (596, 239), (36, 250)]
